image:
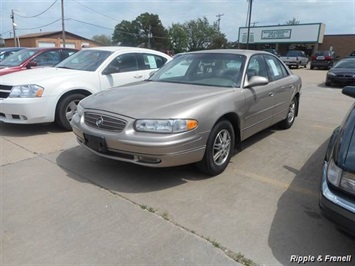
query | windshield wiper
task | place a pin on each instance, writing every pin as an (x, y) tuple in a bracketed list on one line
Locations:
[(65, 67)]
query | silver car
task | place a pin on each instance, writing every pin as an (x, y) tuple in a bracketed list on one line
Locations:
[(195, 109)]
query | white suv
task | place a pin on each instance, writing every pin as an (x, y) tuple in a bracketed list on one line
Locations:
[(52, 94)]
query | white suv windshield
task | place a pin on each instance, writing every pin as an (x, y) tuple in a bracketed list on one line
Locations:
[(87, 60)]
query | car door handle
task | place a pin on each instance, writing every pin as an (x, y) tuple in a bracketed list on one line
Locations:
[(138, 76), (271, 94)]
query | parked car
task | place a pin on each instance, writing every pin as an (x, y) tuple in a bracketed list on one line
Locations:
[(34, 57), (273, 51), (51, 94), (193, 110), (352, 53), (323, 59), (7, 51), (337, 193), (295, 58), (343, 73)]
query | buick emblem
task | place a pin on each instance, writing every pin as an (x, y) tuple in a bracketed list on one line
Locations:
[(99, 122)]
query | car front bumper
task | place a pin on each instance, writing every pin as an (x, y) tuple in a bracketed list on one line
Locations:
[(148, 149), (26, 110), (341, 80), (339, 209)]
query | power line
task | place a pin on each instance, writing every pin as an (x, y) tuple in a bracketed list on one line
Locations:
[(94, 10), (39, 13), (41, 26)]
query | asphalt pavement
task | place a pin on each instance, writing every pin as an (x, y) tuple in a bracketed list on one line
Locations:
[(63, 205)]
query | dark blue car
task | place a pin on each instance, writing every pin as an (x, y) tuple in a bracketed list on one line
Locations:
[(337, 197)]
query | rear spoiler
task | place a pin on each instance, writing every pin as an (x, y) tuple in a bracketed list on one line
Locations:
[(349, 91)]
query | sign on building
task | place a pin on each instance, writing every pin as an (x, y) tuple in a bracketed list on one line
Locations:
[(299, 33)]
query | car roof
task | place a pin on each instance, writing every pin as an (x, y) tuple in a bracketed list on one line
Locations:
[(118, 48), (231, 51)]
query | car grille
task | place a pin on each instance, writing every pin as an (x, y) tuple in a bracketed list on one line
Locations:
[(5, 91), (344, 75), (104, 122)]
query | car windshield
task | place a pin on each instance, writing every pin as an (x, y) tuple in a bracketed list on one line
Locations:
[(345, 64), (87, 60), (18, 58), (209, 69)]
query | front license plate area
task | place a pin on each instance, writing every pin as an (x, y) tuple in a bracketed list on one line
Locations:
[(96, 143)]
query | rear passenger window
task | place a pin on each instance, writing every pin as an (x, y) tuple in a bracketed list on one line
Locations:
[(276, 69), (153, 61)]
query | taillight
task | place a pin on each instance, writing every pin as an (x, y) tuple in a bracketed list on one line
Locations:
[(314, 57), (328, 58)]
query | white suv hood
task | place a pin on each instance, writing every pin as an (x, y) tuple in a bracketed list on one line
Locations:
[(40, 76)]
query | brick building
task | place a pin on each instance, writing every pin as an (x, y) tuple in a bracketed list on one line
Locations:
[(52, 39)]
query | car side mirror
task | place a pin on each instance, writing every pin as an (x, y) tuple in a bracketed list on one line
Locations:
[(31, 64), (111, 70), (256, 81), (349, 91)]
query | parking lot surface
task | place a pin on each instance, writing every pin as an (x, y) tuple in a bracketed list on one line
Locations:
[(61, 204)]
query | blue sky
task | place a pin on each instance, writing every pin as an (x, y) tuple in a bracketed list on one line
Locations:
[(88, 18)]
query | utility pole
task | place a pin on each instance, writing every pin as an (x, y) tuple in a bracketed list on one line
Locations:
[(249, 20), (63, 29), (219, 20), (12, 16), (150, 35)]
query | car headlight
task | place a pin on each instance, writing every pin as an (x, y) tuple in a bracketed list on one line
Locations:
[(26, 91), (165, 125), (331, 74), (341, 179)]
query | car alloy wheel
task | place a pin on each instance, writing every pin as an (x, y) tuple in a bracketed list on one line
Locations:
[(66, 109), (219, 148), (291, 115)]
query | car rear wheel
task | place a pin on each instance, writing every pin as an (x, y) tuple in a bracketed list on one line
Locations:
[(291, 115), (66, 109), (219, 148)]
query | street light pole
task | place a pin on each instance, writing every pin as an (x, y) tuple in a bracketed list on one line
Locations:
[(63, 29), (12, 16), (249, 21)]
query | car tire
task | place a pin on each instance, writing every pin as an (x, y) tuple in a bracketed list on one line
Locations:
[(312, 67), (219, 148), (291, 115), (66, 109), (328, 84)]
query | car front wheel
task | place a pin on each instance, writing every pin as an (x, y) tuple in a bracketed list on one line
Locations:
[(219, 148), (291, 115), (66, 109)]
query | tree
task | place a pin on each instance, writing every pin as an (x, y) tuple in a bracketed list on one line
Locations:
[(126, 33), (103, 39), (292, 22), (145, 31), (178, 38), (196, 35)]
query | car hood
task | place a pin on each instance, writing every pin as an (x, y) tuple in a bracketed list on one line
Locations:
[(156, 100), (344, 150), (342, 70), (39, 76)]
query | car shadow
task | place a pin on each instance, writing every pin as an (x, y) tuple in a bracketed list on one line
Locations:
[(123, 177), (298, 224), (18, 130)]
